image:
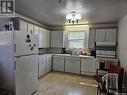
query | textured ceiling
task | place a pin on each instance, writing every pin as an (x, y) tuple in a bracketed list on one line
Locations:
[(50, 12)]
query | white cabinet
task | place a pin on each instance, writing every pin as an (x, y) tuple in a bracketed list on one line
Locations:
[(88, 66), (48, 63), (56, 38), (106, 35), (23, 26), (100, 35), (44, 37), (72, 65), (44, 64), (30, 28), (58, 63), (91, 43), (111, 35), (36, 30)]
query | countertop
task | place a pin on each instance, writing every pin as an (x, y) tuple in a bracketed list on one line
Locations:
[(80, 56)]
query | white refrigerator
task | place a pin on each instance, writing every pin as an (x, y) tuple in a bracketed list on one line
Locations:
[(19, 62)]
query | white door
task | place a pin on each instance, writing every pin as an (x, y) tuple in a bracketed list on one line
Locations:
[(30, 28), (48, 66), (58, 63), (84, 65), (26, 75), (23, 26), (26, 43), (88, 66), (56, 38), (111, 35), (91, 43), (100, 35), (42, 65), (72, 66), (36, 30)]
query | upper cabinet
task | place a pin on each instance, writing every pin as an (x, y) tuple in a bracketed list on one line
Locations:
[(44, 38), (105, 35), (91, 39), (30, 28), (56, 38), (111, 35), (23, 26), (100, 35)]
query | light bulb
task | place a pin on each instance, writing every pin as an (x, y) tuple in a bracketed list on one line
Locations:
[(77, 16), (69, 16)]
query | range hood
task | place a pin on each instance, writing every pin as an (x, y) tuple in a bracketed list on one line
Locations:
[(105, 43)]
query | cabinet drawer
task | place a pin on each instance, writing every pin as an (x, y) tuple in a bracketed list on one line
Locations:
[(58, 57), (72, 58), (58, 68), (55, 64)]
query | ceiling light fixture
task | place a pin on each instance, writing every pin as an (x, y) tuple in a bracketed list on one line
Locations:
[(73, 17)]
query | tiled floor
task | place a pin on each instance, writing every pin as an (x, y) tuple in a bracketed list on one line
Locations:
[(56, 83)]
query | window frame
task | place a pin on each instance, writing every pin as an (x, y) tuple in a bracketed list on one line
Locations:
[(69, 40)]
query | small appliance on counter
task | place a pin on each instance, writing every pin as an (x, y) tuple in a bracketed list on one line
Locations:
[(63, 51), (93, 52)]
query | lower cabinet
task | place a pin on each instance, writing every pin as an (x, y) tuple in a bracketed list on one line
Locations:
[(41, 66), (88, 66), (44, 64), (72, 65), (58, 63), (48, 63)]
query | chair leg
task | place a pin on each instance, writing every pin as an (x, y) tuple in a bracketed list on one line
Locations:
[(97, 90), (100, 91)]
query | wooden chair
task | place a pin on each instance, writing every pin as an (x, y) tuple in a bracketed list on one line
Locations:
[(112, 69)]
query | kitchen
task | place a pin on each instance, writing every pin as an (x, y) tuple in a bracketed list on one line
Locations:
[(51, 53)]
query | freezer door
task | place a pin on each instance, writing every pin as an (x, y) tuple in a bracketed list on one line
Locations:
[(26, 43), (26, 75)]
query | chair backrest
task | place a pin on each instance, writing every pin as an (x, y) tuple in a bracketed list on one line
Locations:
[(120, 71), (116, 69)]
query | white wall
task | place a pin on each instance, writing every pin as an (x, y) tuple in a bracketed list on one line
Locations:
[(122, 43)]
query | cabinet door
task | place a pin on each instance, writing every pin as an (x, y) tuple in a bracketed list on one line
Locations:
[(42, 65), (56, 39), (88, 66), (47, 38), (68, 66), (91, 43), (23, 26), (100, 35), (36, 30), (84, 66), (44, 36), (40, 38), (72, 66), (91, 65), (43, 68), (111, 35), (48, 66), (30, 28), (58, 63)]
